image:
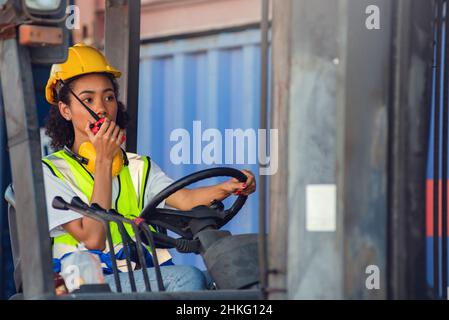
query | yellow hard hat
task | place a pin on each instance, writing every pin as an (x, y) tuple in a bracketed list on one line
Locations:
[(82, 59)]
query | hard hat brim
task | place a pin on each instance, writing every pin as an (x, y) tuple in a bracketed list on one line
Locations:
[(49, 89)]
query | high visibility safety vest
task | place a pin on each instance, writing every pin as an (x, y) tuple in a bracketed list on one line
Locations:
[(129, 202)]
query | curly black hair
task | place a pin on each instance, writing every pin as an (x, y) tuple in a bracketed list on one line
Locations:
[(60, 130)]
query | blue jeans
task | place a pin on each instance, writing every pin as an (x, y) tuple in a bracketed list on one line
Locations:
[(174, 277)]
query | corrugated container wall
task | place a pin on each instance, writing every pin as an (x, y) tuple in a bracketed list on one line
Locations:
[(214, 80)]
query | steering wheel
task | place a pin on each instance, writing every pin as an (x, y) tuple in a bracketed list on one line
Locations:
[(187, 223)]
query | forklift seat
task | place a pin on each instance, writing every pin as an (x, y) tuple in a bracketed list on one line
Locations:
[(13, 233)]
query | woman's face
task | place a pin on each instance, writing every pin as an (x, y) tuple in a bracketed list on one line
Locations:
[(97, 92)]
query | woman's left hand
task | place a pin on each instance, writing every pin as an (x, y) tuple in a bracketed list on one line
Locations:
[(234, 186), (186, 199)]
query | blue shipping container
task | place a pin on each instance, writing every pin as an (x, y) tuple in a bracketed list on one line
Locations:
[(214, 80)]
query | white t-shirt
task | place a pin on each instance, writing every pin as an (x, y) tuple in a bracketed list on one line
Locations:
[(54, 186)]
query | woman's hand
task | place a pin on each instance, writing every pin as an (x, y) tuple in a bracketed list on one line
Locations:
[(107, 141), (234, 186), (186, 199)]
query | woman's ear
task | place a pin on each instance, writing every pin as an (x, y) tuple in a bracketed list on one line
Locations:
[(65, 111)]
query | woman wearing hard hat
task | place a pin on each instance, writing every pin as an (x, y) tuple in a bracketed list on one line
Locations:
[(89, 163)]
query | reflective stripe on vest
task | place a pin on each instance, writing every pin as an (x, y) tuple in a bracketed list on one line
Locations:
[(127, 202)]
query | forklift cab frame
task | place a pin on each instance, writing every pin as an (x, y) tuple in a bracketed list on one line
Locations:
[(27, 211)]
